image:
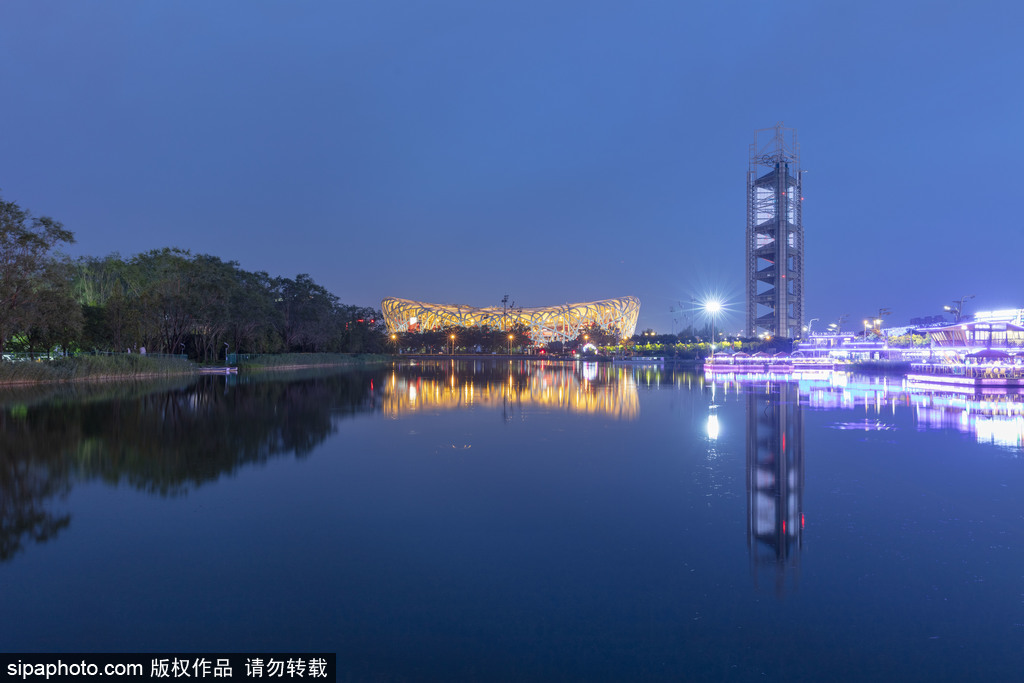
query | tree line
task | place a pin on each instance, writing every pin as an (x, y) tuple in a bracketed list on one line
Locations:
[(176, 302), (165, 301)]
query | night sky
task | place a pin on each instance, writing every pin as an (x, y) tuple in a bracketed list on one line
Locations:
[(558, 152)]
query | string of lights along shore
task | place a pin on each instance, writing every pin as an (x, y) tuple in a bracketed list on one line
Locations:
[(775, 235)]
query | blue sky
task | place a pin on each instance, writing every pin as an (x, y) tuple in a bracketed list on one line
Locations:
[(554, 151)]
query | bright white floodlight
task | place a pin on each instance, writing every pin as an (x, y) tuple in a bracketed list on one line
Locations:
[(712, 307)]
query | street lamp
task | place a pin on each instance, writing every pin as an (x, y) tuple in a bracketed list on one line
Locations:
[(957, 308), (712, 308), (839, 323), (510, 344), (866, 323), (452, 337), (394, 343)]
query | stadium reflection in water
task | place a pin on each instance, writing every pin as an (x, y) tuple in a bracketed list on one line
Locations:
[(575, 387)]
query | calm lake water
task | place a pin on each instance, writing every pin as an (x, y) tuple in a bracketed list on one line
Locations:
[(521, 522)]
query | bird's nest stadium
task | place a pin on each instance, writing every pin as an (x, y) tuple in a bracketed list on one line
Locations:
[(548, 324)]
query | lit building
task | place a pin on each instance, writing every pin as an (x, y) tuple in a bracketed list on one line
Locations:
[(775, 235), (552, 323), (1006, 315), (975, 336)]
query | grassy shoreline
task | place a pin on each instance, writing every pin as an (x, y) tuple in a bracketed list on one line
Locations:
[(137, 366), (297, 361), (98, 368)]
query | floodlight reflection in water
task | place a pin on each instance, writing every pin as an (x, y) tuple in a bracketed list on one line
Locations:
[(713, 427)]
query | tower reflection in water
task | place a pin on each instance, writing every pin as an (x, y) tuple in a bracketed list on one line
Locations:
[(775, 483)]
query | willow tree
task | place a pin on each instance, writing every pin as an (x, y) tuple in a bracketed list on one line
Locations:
[(27, 243)]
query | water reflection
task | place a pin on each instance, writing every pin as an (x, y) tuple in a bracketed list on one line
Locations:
[(169, 437), (43, 443), (713, 427), (596, 388), (163, 438), (775, 445), (994, 419), (30, 485), (775, 483)]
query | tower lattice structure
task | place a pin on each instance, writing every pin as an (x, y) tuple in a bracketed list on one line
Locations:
[(775, 234)]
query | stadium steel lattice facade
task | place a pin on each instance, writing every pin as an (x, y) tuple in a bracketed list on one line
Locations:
[(775, 235), (548, 324)]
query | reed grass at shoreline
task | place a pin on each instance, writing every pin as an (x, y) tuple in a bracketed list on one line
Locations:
[(78, 368), (292, 361)]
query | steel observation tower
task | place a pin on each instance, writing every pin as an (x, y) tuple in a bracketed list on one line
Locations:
[(775, 235)]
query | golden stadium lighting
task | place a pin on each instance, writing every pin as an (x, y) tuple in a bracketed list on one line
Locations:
[(552, 323)]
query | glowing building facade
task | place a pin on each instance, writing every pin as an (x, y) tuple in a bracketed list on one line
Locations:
[(775, 235), (552, 323)]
